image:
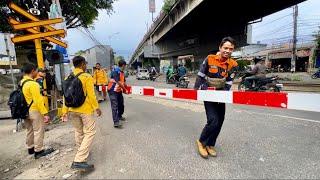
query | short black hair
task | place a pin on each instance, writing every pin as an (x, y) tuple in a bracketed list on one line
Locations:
[(258, 59), (78, 61), (28, 67), (227, 39), (122, 62), (41, 70), (98, 64)]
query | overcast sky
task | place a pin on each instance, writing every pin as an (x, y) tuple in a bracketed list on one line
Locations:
[(279, 26), (124, 29), (129, 19)]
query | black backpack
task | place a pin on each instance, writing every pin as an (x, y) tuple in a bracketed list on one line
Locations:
[(18, 104), (73, 91)]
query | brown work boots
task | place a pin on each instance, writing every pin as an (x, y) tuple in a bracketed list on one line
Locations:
[(206, 151), (211, 151)]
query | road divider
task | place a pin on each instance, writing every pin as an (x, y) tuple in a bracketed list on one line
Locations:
[(295, 101)]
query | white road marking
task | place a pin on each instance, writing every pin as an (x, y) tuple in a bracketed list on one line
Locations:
[(281, 116)]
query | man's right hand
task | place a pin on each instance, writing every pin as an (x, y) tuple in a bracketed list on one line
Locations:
[(98, 111), (46, 119), (64, 118)]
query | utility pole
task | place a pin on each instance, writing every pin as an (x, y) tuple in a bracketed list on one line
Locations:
[(294, 45), (10, 59)]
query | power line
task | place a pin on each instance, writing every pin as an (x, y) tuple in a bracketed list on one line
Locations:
[(288, 29), (273, 21), (288, 25), (86, 35), (288, 37), (91, 37)]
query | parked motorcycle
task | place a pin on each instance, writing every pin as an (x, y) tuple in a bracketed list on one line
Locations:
[(316, 75), (153, 77), (262, 84)]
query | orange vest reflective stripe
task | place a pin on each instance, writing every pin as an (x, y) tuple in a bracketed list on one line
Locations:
[(217, 66), (113, 84)]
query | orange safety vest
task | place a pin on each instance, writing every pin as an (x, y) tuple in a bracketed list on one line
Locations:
[(113, 85), (218, 67)]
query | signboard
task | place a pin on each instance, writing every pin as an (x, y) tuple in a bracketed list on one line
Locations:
[(33, 26), (4, 59), (64, 52), (164, 65), (152, 6)]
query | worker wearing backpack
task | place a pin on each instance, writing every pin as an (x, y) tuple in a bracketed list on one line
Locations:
[(79, 104), (38, 113)]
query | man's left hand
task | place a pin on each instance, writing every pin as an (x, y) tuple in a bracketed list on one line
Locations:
[(46, 119), (227, 87)]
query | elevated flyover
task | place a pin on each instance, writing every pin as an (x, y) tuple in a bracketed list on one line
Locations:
[(195, 27)]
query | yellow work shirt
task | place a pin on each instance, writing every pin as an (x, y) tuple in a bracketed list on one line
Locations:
[(100, 77), (91, 103), (31, 92)]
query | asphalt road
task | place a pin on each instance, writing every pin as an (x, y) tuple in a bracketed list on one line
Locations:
[(158, 141)]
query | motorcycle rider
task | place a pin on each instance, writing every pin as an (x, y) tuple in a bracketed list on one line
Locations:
[(169, 73), (153, 71), (316, 74), (259, 71), (182, 71), (175, 73)]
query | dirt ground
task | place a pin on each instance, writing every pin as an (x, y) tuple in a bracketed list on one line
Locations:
[(15, 163)]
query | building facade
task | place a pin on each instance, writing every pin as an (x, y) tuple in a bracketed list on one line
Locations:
[(99, 54)]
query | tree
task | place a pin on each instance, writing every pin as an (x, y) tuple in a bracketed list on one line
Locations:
[(317, 36), (316, 52), (80, 53), (77, 13), (242, 64), (168, 5), (117, 59)]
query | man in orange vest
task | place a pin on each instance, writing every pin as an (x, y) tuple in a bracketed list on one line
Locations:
[(217, 72), (100, 79), (117, 86)]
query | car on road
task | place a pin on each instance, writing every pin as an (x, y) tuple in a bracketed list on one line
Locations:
[(143, 74)]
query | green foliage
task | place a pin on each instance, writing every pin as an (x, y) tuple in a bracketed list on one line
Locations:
[(117, 59), (317, 40), (188, 64), (296, 78), (80, 53), (77, 13), (168, 5), (242, 64), (146, 63)]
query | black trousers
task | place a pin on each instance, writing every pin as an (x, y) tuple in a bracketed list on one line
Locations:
[(117, 105), (215, 116)]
